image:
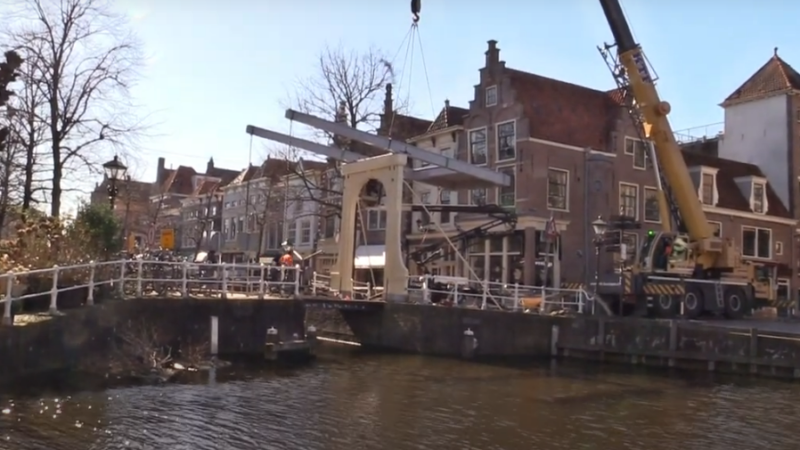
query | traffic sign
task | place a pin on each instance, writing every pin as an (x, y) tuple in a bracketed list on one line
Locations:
[(168, 239)]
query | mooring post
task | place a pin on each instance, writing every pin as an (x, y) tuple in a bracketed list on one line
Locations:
[(753, 350), (673, 342), (469, 344), (185, 279), (271, 344), (554, 341), (214, 336)]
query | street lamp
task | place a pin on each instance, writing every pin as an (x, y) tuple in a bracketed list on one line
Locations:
[(599, 226), (114, 170)]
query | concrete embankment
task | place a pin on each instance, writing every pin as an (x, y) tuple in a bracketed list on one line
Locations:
[(473, 333), (92, 335)]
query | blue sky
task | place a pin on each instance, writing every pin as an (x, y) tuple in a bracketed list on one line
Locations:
[(215, 67)]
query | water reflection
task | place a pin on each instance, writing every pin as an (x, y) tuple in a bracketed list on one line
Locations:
[(376, 402)]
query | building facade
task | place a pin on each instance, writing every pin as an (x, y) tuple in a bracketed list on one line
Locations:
[(574, 155)]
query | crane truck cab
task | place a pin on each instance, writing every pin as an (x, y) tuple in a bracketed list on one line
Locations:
[(666, 280)]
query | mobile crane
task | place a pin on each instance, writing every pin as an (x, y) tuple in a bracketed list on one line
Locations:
[(686, 267)]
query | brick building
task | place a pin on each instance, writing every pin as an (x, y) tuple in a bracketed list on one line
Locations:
[(574, 156)]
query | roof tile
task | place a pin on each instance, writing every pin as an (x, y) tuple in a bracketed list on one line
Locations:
[(449, 116), (776, 76), (730, 196)]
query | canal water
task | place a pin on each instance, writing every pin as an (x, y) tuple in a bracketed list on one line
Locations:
[(353, 401)]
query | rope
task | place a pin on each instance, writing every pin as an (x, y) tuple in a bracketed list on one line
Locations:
[(425, 70), (453, 246)]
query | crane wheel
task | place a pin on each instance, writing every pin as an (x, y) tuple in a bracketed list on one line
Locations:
[(735, 303), (666, 305), (693, 304)]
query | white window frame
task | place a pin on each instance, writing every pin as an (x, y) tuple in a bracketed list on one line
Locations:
[(472, 196), (471, 155), (635, 200), (753, 202), (452, 199), (487, 99), (513, 186), (566, 194), (632, 152), (291, 230), (305, 226), (645, 190), (714, 193), (718, 223), (498, 158), (755, 246), (380, 219)]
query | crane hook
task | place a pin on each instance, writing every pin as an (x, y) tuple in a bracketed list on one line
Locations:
[(416, 7)]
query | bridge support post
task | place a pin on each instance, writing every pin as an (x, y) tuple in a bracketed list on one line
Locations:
[(8, 319), (90, 294), (54, 292), (388, 170)]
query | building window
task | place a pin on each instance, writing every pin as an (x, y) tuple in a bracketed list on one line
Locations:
[(506, 141), (716, 228), (478, 197), (305, 232), (491, 96), (758, 198), (376, 219), (757, 242), (707, 189), (291, 231), (330, 227), (497, 259), (652, 213), (557, 188), (638, 149), (629, 200), (779, 248), (477, 146), (425, 199), (444, 199), (507, 196)]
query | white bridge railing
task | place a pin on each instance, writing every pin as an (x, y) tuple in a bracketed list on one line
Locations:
[(457, 291), (79, 284), (140, 278), (321, 284)]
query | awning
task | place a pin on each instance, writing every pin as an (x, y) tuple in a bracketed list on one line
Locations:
[(370, 257)]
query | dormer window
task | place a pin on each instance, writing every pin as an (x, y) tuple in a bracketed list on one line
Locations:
[(758, 198), (707, 189), (705, 179)]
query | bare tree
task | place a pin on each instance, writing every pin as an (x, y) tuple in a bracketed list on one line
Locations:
[(9, 157), (29, 131), (83, 65), (347, 83)]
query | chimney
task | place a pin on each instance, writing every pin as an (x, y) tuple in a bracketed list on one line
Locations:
[(210, 165), (447, 104), (388, 107), (492, 54), (160, 171), (341, 113)]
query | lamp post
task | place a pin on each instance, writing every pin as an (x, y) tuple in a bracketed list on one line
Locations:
[(114, 170), (599, 226)]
